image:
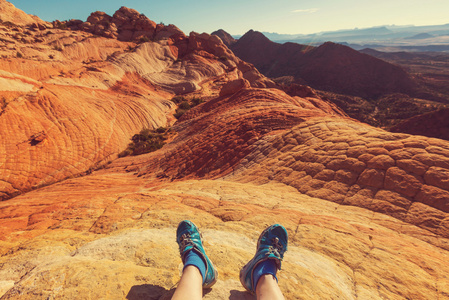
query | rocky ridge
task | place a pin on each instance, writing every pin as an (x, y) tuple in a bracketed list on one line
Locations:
[(125, 25), (227, 39), (366, 210), (9, 13)]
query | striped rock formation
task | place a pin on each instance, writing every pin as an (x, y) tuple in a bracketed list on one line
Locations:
[(70, 101)]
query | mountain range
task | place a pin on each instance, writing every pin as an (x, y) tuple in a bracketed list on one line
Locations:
[(379, 88), (381, 37), (332, 67)]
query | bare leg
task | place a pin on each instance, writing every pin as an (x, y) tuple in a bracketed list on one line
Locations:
[(268, 289), (190, 286)]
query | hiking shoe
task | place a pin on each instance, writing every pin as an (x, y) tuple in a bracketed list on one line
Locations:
[(272, 244), (188, 238)]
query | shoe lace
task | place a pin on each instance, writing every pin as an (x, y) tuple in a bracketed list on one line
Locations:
[(185, 241), (275, 248)]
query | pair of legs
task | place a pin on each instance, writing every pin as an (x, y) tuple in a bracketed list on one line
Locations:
[(190, 286), (258, 276)]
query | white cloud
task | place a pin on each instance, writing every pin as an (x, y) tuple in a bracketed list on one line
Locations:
[(307, 11)]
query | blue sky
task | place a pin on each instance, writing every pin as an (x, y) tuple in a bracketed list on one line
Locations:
[(239, 16)]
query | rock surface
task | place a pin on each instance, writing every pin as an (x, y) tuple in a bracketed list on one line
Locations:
[(366, 210), (9, 13), (114, 250), (125, 25), (71, 100)]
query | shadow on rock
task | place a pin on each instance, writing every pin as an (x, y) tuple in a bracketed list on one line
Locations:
[(239, 295), (149, 292)]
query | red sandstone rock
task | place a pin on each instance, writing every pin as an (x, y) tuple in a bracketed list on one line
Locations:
[(63, 68), (9, 13), (434, 197), (126, 25), (372, 177), (209, 43), (234, 86)]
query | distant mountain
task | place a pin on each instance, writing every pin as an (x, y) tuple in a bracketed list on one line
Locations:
[(227, 39), (393, 56), (381, 36), (359, 32), (281, 37), (330, 67), (420, 36), (410, 48)]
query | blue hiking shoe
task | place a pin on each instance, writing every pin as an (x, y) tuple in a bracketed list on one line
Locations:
[(272, 244), (188, 238)]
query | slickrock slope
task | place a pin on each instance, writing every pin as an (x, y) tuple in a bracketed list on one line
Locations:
[(260, 135), (239, 163), (9, 13), (366, 210), (71, 100)]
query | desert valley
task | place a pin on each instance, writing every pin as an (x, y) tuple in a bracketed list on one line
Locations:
[(115, 129)]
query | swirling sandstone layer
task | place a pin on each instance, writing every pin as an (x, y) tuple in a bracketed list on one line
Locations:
[(71, 100), (259, 135)]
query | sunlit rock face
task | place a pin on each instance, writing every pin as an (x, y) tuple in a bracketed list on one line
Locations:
[(71, 100), (366, 210)]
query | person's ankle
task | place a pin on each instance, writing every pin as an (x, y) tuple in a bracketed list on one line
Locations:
[(193, 258), (267, 267)]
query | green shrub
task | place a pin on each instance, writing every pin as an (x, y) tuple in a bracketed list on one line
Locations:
[(146, 141), (196, 101), (161, 130), (126, 152), (178, 99), (179, 112), (144, 39), (185, 104)]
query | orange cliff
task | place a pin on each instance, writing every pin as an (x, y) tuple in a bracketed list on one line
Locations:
[(366, 210)]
